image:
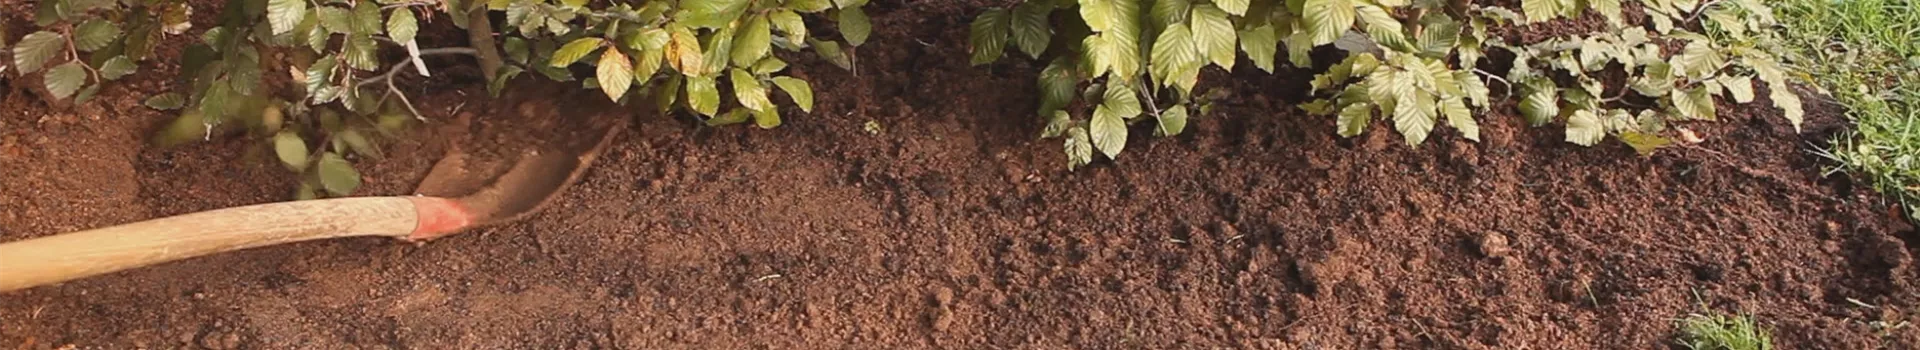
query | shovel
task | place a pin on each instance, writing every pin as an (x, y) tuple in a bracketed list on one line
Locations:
[(460, 193)]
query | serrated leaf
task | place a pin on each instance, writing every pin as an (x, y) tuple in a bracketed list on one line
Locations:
[(1585, 128), (1167, 13), (1475, 90), (116, 67), (1381, 26), (1109, 131), (366, 18), (1079, 148), (516, 48), (1540, 10), (1056, 124), (1460, 118), (1172, 121), (1414, 117), (337, 176), (769, 65), (788, 22), (320, 75), (1326, 20), (1643, 143), (1031, 33), (63, 80), (1695, 103), (719, 51), (1740, 87), (767, 119), (615, 73), (1697, 60), (166, 101), (1213, 35), (1767, 70), (1541, 104), (316, 36), (1789, 103), (574, 50), (291, 150), (1234, 7), (799, 90), (1609, 9), (683, 52), (987, 36), (402, 26), (752, 42), (359, 144), (748, 90), (360, 52), (1261, 45), (94, 35), (1172, 54), (284, 15), (810, 6), (1057, 83), (334, 19), (1121, 99), (702, 95), (855, 26), (1354, 119), (1116, 53), (732, 116), (33, 51), (832, 53), (1102, 15)]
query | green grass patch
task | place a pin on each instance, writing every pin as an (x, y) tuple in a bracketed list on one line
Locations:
[(1866, 54), (1722, 332)]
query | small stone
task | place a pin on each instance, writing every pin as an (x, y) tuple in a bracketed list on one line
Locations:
[(1494, 245), (944, 296)]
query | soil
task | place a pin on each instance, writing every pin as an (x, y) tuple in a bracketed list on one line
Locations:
[(954, 227)]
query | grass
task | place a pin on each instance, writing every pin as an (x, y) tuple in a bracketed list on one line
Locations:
[(1865, 53), (1721, 332)]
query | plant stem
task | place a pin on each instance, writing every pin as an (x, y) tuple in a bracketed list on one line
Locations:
[(423, 52), (480, 39)]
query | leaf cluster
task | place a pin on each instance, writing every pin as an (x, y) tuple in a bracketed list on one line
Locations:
[(82, 44)]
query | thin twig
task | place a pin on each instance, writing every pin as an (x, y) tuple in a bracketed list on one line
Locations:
[(409, 3), (1503, 81), (424, 52), (1699, 11)]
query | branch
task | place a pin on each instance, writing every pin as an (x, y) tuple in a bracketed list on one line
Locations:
[(480, 39), (403, 63), (1503, 81)]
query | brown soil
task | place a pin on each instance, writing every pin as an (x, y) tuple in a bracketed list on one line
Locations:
[(956, 228)]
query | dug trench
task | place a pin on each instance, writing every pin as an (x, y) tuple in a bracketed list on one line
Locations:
[(952, 226)]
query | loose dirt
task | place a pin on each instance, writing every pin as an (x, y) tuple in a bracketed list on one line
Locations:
[(954, 227)]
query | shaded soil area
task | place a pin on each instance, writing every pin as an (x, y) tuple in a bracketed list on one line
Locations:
[(953, 227)]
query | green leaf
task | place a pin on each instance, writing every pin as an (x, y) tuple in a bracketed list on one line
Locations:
[(86, 94), (1695, 103), (987, 36), (1235, 7), (320, 75), (1326, 19), (1057, 124), (1172, 54), (1167, 13), (1057, 84), (683, 52), (500, 80), (703, 95), (1078, 148), (1381, 26), (284, 15), (118, 66), (1584, 128), (33, 51), (1117, 53), (1031, 33), (516, 49), (799, 90), (166, 101), (1261, 45), (1354, 119), (574, 50), (1109, 130), (1609, 9), (1740, 87), (767, 119), (63, 80), (752, 42), (1540, 10), (1414, 116), (1102, 15), (748, 90), (810, 6), (366, 18), (1784, 98), (360, 52), (1213, 35), (1541, 104), (788, 22), (1455, 108), (719, 48), (769, 65), (95, 34), (855, 26), (1172, 121), (615, 73), (335, 20), (337, 176), (1643, 143), (291, 149), (832, 53), (1121, 99), (733, 116), (401, 25), (1698, 60), (358, 143)]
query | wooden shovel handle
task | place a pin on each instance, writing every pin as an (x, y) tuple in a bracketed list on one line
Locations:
[(59, 258)]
